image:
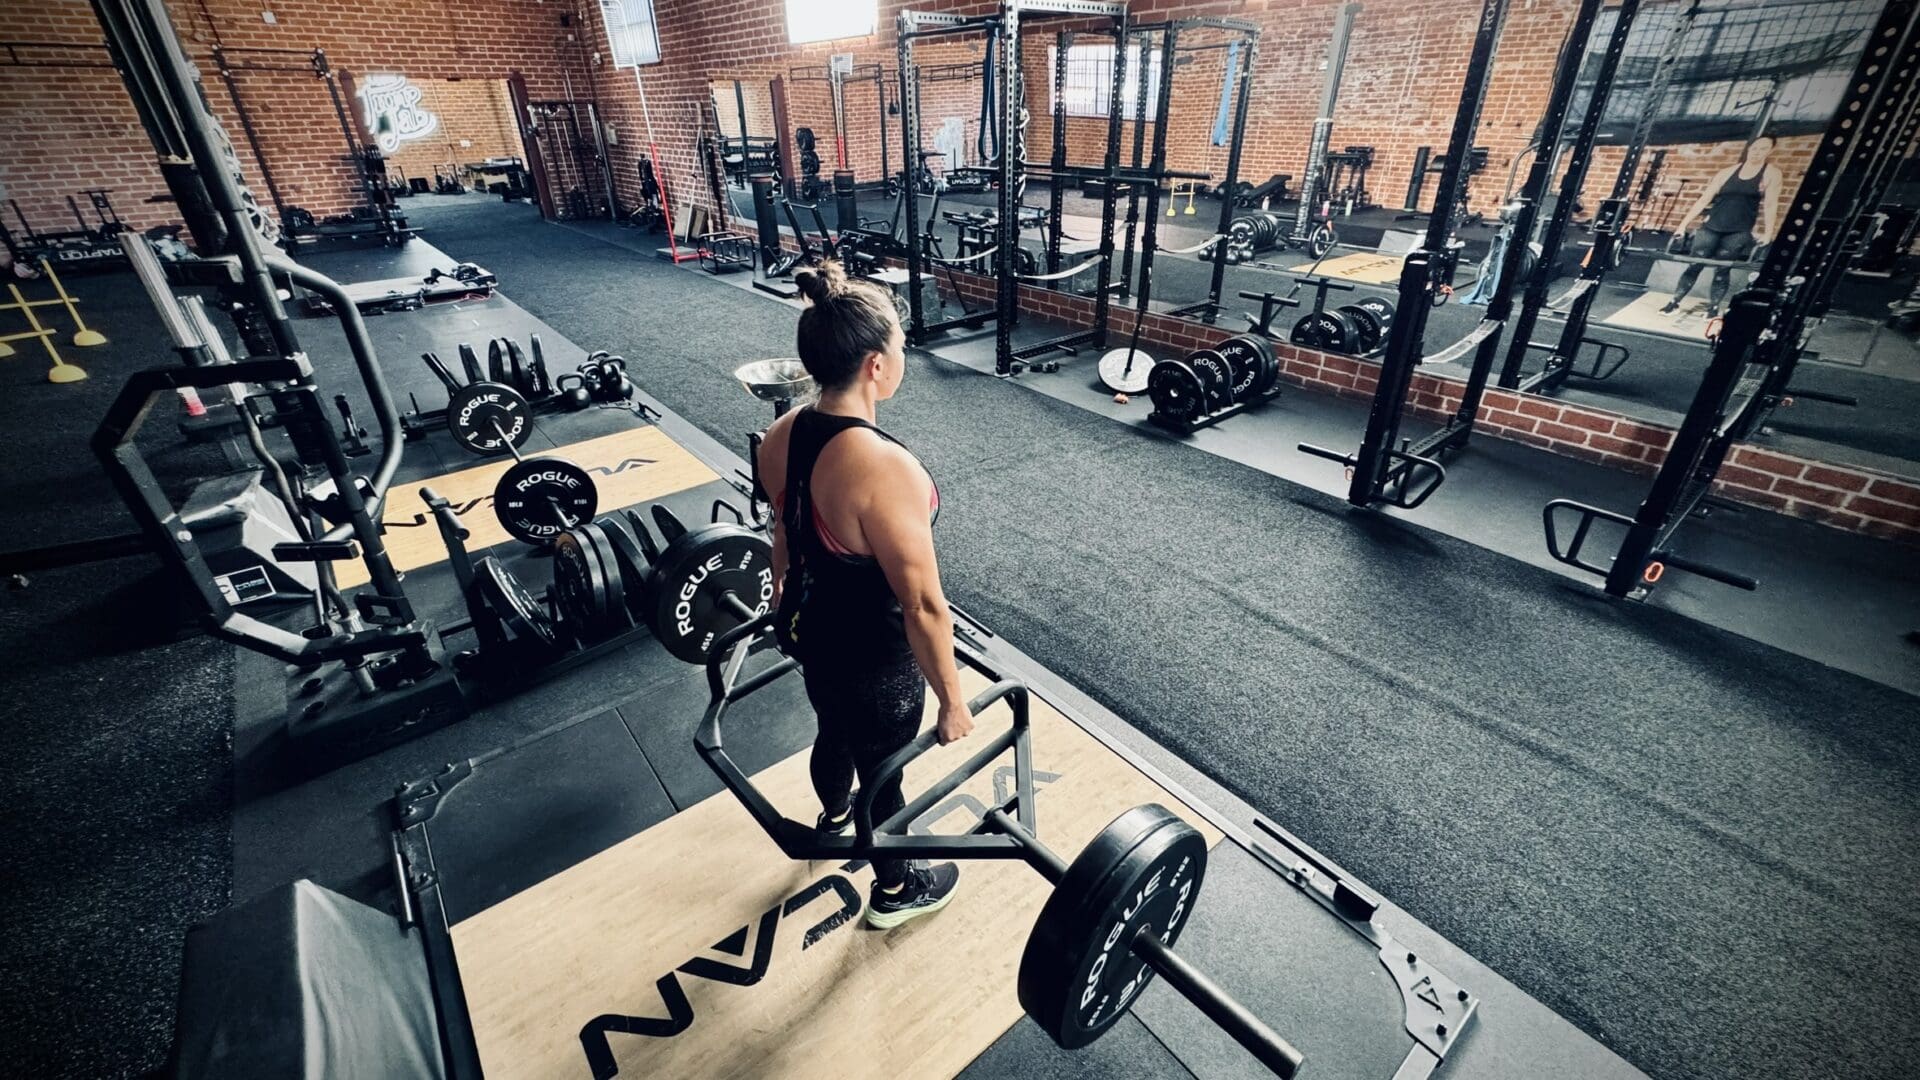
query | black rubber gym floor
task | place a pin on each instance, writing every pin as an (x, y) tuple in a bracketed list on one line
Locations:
[(1698, 848), (1693, 845)]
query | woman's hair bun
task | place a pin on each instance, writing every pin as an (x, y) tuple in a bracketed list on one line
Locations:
[(821, 283)]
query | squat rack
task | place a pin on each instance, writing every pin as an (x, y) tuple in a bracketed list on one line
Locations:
[(1766, 324), (1244, 34), (1610, 233)]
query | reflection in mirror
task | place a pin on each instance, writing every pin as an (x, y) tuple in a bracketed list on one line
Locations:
[(744, 108)]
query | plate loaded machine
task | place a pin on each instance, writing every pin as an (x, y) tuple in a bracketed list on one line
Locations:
[(364, 670), (1401, 472), (1768, 323)]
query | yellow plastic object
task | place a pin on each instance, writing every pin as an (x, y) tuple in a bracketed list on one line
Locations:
[(83, 336), (61, 372)]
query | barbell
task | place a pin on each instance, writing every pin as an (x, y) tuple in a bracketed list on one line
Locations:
[(1115, 911)]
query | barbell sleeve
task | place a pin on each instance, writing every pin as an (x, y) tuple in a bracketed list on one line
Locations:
[(732, 602), (1221, 1007)]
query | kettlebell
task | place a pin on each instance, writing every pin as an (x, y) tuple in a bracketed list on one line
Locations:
[(572, 389)]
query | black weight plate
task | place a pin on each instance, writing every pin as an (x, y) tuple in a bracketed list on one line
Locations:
[(1327, 331), (540, 383), (1382, 310), (517, 375), (694, 573), (1244, 366), (635, 566), (470, 364), (480, 414), (1367, 329), (577, 582), (523, 616), (611, 603), (497, 363), (1177, 392), (540, 498), (1139, 877), (643, 535), (1252, 353), (1216, 374)]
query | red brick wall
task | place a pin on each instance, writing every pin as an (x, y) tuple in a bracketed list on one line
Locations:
[(1845, 497), (475, 111), (86, 133)]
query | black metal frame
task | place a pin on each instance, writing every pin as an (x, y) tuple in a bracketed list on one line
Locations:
[(1003, 32), (1386, 469), (1766, 324), (1156, 170), (1611, 230)]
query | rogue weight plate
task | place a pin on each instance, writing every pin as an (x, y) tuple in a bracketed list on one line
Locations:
[(579, 585), (540, 498), (1124, 371), (539, 383), (1368, 331), (521, 614), (1252, 355), (1177, 392), (1328, 331), (517, 369), (1139, 877), (1216, 374), (613, 611), (684, 596), (643, 536), (480, 414), (470, 364), (1382, 309), (635, 565), (497, 363)]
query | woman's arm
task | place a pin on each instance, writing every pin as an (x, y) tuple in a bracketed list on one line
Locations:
[(1770, 205), (900, 535)]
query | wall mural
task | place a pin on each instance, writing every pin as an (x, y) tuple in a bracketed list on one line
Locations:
[(393, 111)]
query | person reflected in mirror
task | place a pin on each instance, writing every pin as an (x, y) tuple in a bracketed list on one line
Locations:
[(1741, 207)]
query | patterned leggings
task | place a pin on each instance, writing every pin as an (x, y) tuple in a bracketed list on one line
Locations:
[(866, 715)]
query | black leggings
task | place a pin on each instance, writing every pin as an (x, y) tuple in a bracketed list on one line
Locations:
[(1708, 244), (866, 715)]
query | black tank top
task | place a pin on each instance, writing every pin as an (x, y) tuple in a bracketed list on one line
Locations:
[(836, 608), (1737, 207)]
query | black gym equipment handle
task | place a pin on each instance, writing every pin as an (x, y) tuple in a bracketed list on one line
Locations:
[(1193, 984), (1015, 693), (392, 441)]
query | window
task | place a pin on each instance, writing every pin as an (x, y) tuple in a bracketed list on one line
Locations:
[(631, 32), (823, 20), (1088, 85)]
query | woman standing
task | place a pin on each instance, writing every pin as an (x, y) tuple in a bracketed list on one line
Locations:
[(859, 601), (1741, 205)]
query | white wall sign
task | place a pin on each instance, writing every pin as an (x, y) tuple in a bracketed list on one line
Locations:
[(393, 112)]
